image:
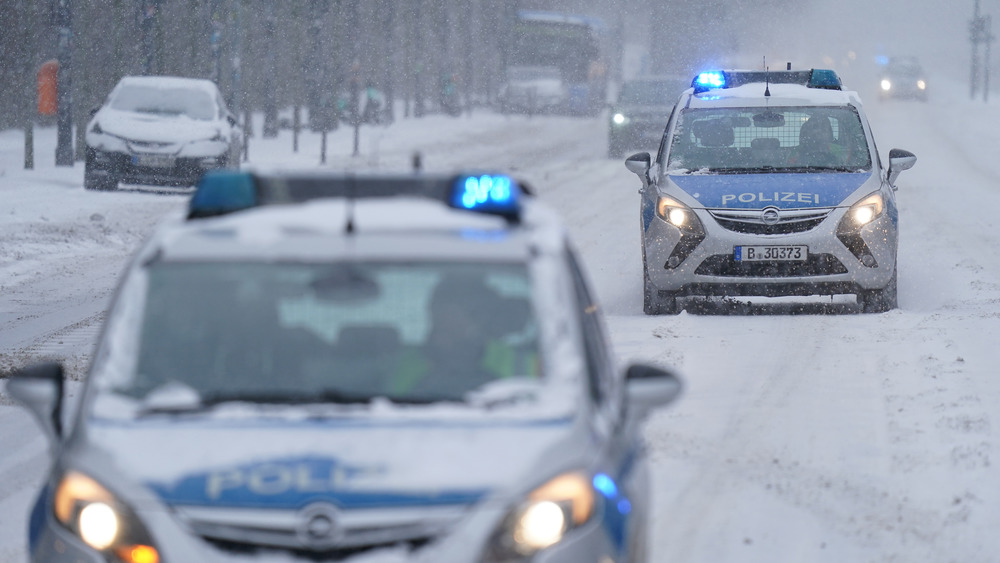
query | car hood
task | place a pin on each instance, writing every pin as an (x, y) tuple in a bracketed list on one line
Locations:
[(146, 127), (349, 463), (757, 191)]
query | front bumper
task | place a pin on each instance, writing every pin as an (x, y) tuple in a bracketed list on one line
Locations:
[(463, 542), (710, 268), (125, 167), (636, 133)]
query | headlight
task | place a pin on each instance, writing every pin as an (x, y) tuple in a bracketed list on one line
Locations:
[(618, 118), (677, 214), (90, 511), (544, 517), (866, 210), (921, 84), (886, 85)]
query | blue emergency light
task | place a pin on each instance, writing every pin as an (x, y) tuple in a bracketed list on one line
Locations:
[(709, 81), (221, 192), (487, 193)]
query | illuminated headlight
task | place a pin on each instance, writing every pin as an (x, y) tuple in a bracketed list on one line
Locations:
[(618, 119), (866, 210), (921, 84), (544, 518), (886, 85), (90, 511), (677, 214)]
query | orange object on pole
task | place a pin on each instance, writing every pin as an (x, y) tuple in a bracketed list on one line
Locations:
[(48, 89)]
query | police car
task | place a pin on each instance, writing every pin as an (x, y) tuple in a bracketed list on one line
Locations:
[(341, 368), (768, 184)]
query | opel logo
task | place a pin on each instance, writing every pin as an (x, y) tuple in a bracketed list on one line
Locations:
[(317, 526), (770, 216)]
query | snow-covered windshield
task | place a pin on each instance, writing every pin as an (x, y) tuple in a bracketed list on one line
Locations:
[(755, 139), (341, 333), (192, 102)]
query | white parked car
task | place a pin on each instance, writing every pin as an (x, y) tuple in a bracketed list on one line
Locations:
[(160, 130)]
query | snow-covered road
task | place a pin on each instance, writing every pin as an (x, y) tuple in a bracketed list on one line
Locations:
[(806, 433)]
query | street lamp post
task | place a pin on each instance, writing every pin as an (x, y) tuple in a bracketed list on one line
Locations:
[(64, 92)]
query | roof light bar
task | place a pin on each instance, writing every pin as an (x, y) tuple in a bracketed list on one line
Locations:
[(222, 192), (825, 79)]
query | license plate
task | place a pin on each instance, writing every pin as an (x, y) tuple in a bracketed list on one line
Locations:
[(153, 160), (771, 253)]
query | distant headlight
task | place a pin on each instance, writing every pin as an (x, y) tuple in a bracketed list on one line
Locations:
[(886, 85), (619, 119), (921, 84), (544, 517), (90, 511)]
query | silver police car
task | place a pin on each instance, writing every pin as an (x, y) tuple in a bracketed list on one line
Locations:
[(768, 184), (350, 368)]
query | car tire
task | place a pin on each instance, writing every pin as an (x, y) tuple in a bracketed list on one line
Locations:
[(880, 300), (655, 302), (102, 183)]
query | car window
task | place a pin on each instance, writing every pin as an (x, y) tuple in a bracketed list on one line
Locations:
[(760, 139), (595, 345), (409, 332), (169, 101)]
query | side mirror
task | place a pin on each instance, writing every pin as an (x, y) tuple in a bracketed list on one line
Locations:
[(40, 389), (648, 388), (94, 110), (231, 119), (639, 164), (899, 160)]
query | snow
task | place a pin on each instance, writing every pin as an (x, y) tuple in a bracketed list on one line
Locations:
[(806, 432)]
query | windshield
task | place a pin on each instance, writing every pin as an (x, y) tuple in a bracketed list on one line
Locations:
[(793, 139), (652, 92), (301, 333), (191, 102)]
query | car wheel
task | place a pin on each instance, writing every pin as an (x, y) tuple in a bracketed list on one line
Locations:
[(654, 302), (879, 300)]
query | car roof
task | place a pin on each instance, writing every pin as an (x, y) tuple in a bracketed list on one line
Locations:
[(317, 226), (752, 95), (170, 82)]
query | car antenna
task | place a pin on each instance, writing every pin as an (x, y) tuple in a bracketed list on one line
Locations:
[(767, 79), (349, 227)]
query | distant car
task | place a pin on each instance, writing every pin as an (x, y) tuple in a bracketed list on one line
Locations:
[(768, 184), (375, 368), (160, 130), (533, 89), (638, 117), (903, 78)]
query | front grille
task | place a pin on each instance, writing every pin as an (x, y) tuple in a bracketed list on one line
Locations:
[(751, 222), (244, 529), (724, 265)]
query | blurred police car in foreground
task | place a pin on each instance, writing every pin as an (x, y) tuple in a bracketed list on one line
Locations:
[(638, 117), (327, 368), (160, 130), (768, 184)]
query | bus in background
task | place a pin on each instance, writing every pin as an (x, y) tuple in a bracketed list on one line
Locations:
[(555, 64)]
